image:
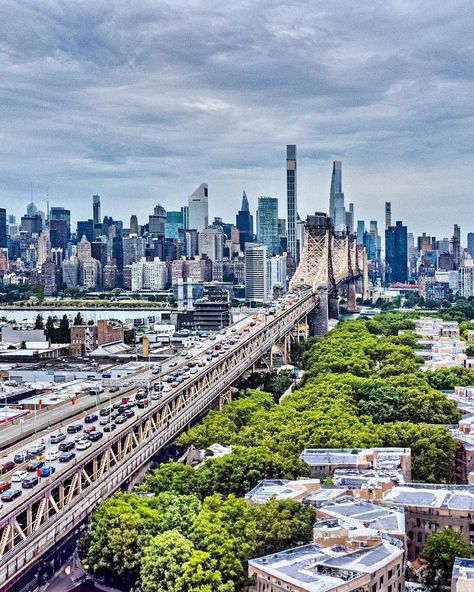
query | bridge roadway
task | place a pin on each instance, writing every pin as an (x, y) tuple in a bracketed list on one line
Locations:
[(33, 523)]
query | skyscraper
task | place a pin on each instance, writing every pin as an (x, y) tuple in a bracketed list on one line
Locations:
[(267, 223), (244, 222), (199, 208), (291, 198), (174, 221), (156, 222), (3, 228), (360, 232), (396, 253), (388, 214), (133, 224), (470, 243), (59, 213), (256, 283), (96, 209), (337, 211)]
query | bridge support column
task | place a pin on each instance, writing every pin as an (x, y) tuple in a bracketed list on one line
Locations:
[(318, 317), (333, 306), (225, 397), (351, 297)]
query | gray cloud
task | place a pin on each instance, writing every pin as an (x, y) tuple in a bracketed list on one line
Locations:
[(145, 100)]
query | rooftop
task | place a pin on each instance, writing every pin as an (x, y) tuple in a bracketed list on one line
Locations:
[(281, 489), (317, 569), (449, 497)]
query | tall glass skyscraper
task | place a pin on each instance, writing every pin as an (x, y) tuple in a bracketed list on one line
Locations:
[(291, 198), (396, 253), (174, 221), (267, 223), (244, 222)]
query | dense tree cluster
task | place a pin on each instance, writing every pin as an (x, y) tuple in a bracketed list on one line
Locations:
[(362, 387)]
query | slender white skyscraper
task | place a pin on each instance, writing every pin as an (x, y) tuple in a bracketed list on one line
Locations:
[(198, 216), (337, 211)]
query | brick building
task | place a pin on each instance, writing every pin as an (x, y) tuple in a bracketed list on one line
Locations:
[(86, 338)]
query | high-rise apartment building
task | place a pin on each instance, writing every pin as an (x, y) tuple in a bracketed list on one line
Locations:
[(3, 228), (337, 211), (149, 275), (466, 281), (276, 274), (396, 253), (291, 199), (211, 243), (267, 223), (388, 214), (256, 284), (199, 208), (133, 248)]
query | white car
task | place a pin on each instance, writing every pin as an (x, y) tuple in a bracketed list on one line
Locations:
[(53, 455), (19, 476), (193, 370), (79, 438), (167, 389), (83, 444), (173, 363)]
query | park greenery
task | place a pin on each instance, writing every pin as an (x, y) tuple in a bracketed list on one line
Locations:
[(440, 551), (190, 528)]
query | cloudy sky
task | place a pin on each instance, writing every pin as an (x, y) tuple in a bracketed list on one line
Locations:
[(142, 101)]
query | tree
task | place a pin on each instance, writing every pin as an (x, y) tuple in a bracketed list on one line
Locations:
[(78, 320), (50, 329), (172, 477), (163, 561), (281, 524), (440, 551), (113, 546), (62, 335), (39, 323)]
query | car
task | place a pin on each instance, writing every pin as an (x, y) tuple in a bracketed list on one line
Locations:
[(156, 371), (84, 444), (55, 438), (4, 485), (20, 456), (209, 358), (144, 403), (104, 421), (114, 389), (184, 354), (89, 429), (47, 471), (10, 494), (110, 427), (74, 428), (52, 455), (114, 413), (65, 446), (105, 412), (174, 384), (120, 419), (173, 363), (116, 405), (30, 482), (18, 476), (7, 465), (67, 456), (155, 396), (167, 388), (96, 436), (141, 396), (34, 465), (36, 449), (128, 413), (91, 418)]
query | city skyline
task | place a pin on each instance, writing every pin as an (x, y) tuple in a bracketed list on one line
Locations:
[(91, 106)]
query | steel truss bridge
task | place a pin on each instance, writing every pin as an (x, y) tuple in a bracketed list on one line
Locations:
[(59, 504)]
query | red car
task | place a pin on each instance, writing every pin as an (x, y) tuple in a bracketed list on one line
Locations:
[(4, 486), (6, 466), (88, 429)]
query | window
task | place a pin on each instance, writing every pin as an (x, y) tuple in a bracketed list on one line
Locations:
[(390, 574), (374, 587), (381, 581)]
